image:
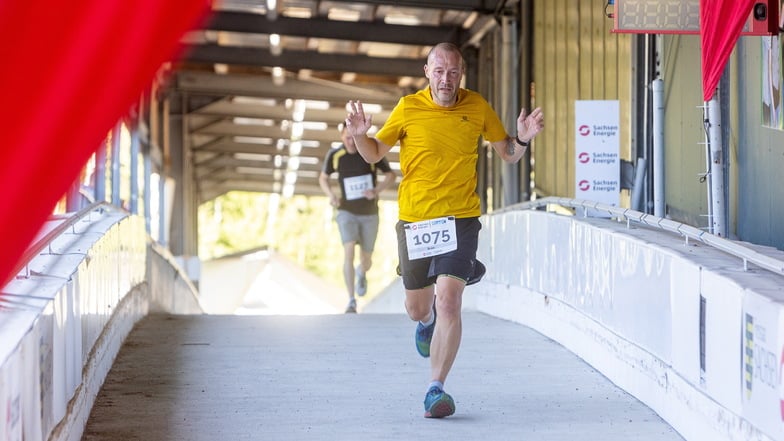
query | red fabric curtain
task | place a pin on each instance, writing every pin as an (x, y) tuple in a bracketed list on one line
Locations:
[(721, 22), (70, 71)]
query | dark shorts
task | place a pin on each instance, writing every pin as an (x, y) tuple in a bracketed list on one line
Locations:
[(460, 263)]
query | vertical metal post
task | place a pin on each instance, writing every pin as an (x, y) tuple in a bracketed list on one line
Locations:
[(147, 190), (100, 173), (133, 204), (115, 161), (510, 91), (162, 230), (163, 201), (639, 182), (153, 148), (525, 49), (644, 61), (657, 87), (716, 175), (73, 198), (190, 205)]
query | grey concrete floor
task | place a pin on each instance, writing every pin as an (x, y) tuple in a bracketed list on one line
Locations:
[(353, 377)]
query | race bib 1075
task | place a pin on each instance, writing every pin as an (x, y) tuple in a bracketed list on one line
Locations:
[(430, 237)]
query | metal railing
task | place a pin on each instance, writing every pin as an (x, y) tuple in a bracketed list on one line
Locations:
[(746, 254), (41, 243)]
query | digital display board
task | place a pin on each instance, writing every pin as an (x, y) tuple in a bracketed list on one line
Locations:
[(682, 17)]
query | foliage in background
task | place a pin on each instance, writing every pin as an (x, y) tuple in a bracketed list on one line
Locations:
[(231, 223), (301, 228)]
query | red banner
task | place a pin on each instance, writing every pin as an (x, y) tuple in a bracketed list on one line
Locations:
[(721, 22), (70, 71)]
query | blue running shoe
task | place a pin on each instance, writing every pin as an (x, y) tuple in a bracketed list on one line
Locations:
[(438, 404), (423, 336)]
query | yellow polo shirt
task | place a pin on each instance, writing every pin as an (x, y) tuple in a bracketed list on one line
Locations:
[(438, 153)]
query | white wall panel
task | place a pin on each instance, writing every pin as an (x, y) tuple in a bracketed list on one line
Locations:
[(723, 328), (63, 322), (628, 301), (641, 284), (591, 281), (685, 300)]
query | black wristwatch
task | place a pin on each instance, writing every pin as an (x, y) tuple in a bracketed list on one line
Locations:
[(522, 143)]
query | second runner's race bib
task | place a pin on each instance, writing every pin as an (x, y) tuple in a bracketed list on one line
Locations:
[(355, 186), (430, 237)]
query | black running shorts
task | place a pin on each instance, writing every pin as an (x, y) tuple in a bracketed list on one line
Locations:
[(423, 272)]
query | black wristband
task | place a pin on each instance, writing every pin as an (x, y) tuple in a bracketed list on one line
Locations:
[(522, 143)]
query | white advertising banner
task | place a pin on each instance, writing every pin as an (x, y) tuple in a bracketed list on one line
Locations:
[(597, 170), (762, 358)]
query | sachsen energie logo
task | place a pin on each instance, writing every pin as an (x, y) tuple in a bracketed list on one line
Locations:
[(598, 130), (597, 185), (598, 158)]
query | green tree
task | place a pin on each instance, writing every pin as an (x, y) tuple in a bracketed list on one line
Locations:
[(301, 228)]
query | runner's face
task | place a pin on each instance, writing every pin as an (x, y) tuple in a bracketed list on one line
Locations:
[(444, 70), (348, 141)]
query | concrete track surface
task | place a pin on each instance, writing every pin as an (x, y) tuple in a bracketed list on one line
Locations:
[(353, 377)]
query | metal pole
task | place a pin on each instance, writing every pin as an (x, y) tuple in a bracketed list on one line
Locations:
[(163, 234), (73, 198), (525, 49), (190, 204), (639, 177), (116, 133), (133, 204), (716, 175), (510, 89), (100, 173), (657, 87), (147, 190)]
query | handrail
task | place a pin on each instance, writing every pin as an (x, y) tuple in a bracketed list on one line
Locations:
[(42, 242), (689, 232)]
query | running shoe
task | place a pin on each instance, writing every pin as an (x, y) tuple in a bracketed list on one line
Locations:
[(423, 336), (351, 307), (361, 282), (438, 404)]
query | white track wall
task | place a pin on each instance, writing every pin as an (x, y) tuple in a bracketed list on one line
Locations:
[(62, 324), (627, 300)]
